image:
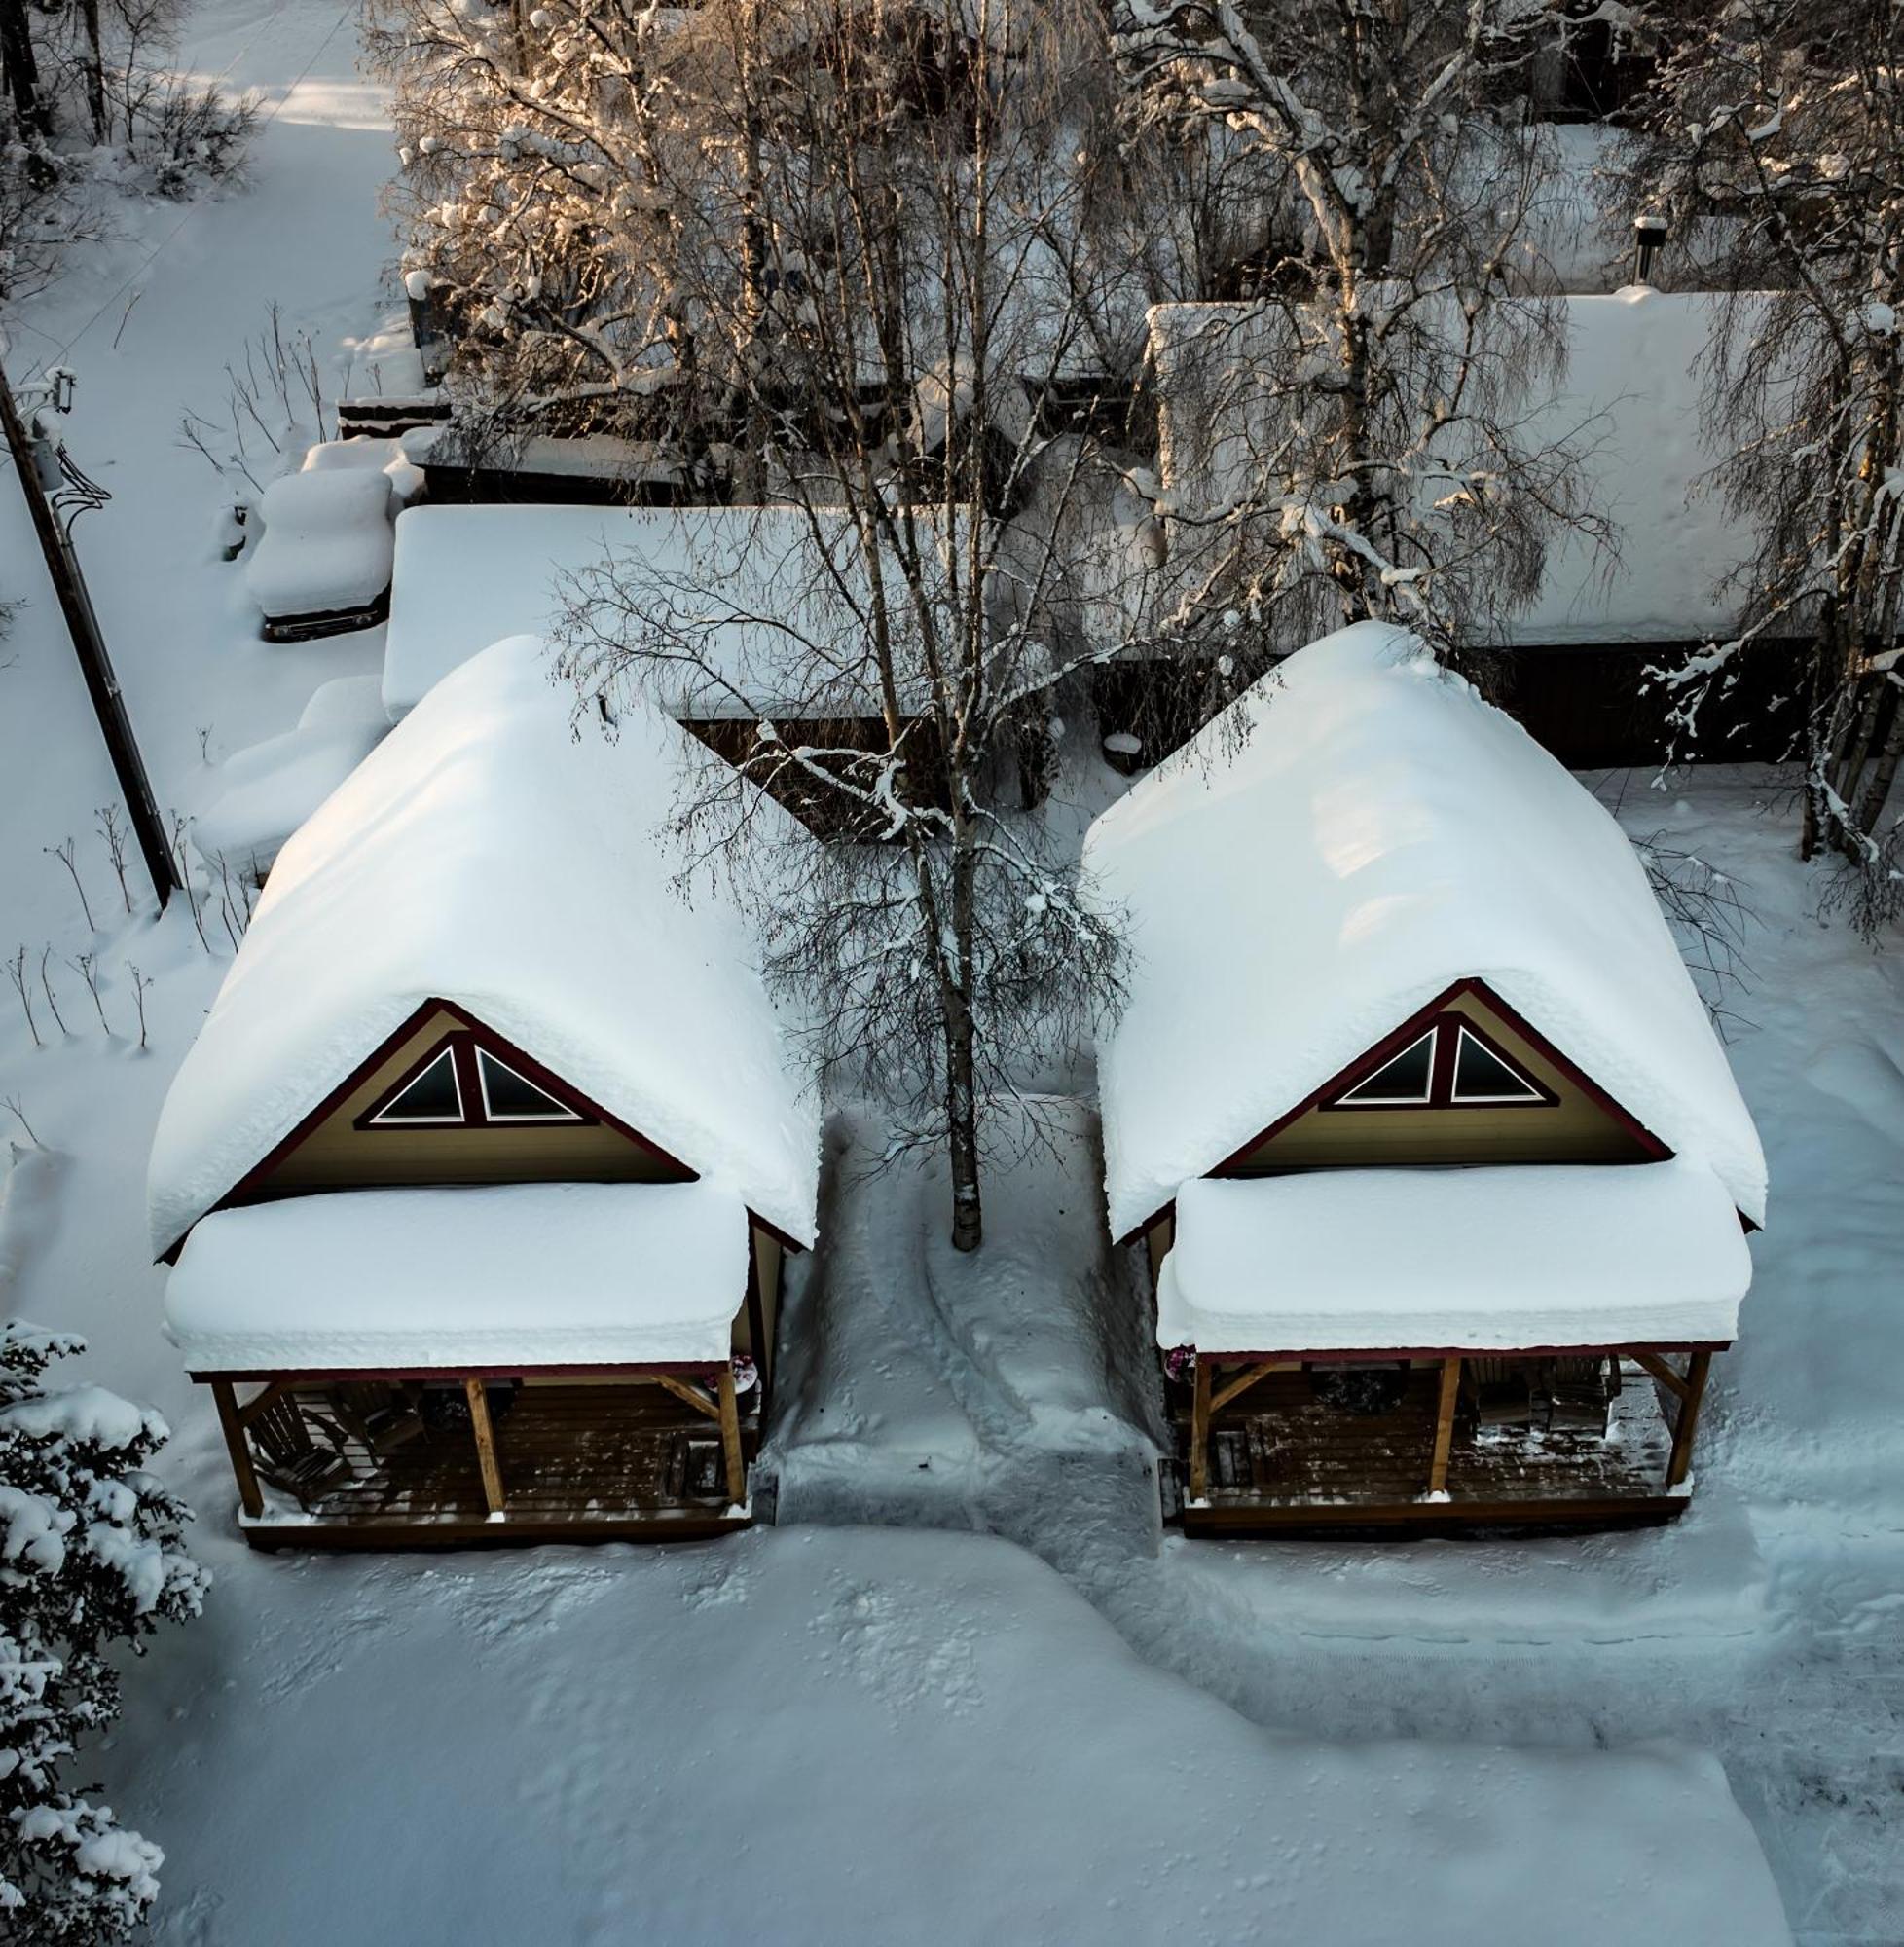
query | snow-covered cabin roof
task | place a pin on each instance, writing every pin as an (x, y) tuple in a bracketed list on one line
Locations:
[(1530, 1258), (509, 1275), (488, 855), (752, 589), (1378, 835), (1628, 403)]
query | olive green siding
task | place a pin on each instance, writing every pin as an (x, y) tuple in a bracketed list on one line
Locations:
[(337, 1155)]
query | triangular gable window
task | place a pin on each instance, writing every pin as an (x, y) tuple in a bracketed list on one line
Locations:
[(1451, 1064), (1483, 1076), (1403, 1079), (510, 1097), (434, 1094)]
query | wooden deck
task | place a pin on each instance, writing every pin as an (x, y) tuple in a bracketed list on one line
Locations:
[(578, 1463), (1282, 1460)]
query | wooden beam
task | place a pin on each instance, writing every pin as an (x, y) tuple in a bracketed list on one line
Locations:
[(479, 1419), (1652, 1363), (730, 1438), (249, 1499), (681, 1390), (1445, 1425), (1242, 1385), (1687, 1423), (1199, 1442)]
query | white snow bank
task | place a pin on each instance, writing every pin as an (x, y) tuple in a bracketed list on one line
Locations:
[(1523, 1259), (345, 703), (1380, 835), (520, 1275), (927, 1739), (748, 590), (257, 798), (370, 454), (327, 544), (490, 855)]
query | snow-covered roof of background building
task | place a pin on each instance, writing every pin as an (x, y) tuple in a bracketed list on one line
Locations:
[(748, 586), (488, 855), (509, 1275), (1628, 403), (1631, 400), (1380, 835), (1526, 1257)]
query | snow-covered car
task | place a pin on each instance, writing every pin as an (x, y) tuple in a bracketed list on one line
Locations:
[(324, 565)]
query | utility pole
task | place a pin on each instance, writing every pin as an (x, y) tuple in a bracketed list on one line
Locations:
[(56, 494)]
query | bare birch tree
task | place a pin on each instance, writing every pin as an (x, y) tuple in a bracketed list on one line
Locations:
[(1362, 420), (896, 223), (1775, 142)]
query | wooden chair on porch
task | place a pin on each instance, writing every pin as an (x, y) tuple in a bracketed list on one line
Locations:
[(1500, 1391), (383, 1416), (1580, 1394), (289, 1456)]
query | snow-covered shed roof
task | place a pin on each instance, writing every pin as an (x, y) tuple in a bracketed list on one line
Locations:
[(1529, 1258), (750, 589), (510, 1274), (1353, 837), (488, 855), (1627, 403)]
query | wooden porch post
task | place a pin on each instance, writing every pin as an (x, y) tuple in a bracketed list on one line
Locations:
[(1686, 1423), (1445, 1425), (1199, 1442), (479, 1419), (249, 1499), (730, 1438)]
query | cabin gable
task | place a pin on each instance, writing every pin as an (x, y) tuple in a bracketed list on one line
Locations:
[(1557, 1114), (361, 1139)]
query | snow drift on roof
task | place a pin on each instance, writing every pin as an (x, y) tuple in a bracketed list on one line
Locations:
[(515, 1274), (1380, 835), (1496, 1260), (1627, 404), (749, 587), (487, 855)]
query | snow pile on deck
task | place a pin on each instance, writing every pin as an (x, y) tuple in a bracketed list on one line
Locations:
[(1380, 835), (1537, 1257), (747, 592), (490, 855), (327, 544), (515, 1274)]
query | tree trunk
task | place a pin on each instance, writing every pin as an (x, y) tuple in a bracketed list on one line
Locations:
[(961, 1056), (22, 70), (95, 72)]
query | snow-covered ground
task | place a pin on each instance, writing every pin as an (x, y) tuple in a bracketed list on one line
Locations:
[(828, 1732)]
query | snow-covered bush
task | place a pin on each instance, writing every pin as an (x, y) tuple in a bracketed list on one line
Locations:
[(92, 1556)]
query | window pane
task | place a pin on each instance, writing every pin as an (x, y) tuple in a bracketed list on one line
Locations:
[(1405, 1078), (431, 1097), (509, 1097), (1481, 1076)]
